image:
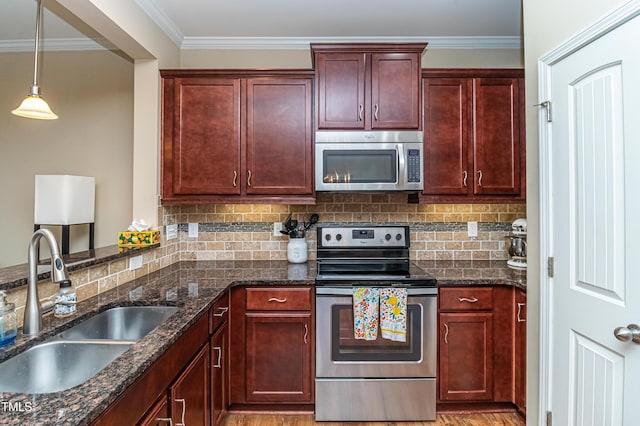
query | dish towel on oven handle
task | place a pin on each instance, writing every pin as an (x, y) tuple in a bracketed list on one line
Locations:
[(365, 313), (393, 314)]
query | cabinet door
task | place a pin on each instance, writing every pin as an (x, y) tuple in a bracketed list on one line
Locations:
[(521, 350), (158, 415), (189, 394), (278, 357), (219, 375), (206, 136), (447, 114), (395, 91), (341, 90), (466, 356), (497, 136), (279, 141)]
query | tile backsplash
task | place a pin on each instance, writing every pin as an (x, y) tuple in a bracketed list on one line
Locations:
[(438, 231)]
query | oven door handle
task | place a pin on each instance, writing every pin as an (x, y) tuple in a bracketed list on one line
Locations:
[(348, 291)]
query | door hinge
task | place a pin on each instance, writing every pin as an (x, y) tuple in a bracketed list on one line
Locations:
[(546, 105), (550, 267), (549, 419)]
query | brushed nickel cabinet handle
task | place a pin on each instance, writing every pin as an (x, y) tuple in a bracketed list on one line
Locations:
[(164, 419), (446, 333), (479, 177), (184, 408), (222, 312), (520, 305), (464, 182), (306, 333), (218, 363), (375, 112), (235, 178), (466, 299), (249, 178), (275, 299), (360, 112)]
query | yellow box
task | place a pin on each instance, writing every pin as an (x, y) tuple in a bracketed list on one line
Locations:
[(137, 239)]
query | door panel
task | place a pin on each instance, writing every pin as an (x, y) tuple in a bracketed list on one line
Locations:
[(594, 157)]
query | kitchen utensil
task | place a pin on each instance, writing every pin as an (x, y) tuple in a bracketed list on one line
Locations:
[(313, 219)]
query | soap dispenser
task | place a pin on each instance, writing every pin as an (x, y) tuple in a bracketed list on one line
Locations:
[(8, 321), (65, 300)]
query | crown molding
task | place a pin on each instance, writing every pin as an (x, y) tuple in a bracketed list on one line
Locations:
[(299, 43), (58, 44), (268, 43), (161, 19)]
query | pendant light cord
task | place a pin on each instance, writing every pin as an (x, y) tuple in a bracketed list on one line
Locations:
[(35, 89)]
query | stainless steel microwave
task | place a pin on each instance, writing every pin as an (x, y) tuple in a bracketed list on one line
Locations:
[(369, 161)]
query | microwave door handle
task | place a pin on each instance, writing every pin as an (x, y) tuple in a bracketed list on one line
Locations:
[(401, 164)]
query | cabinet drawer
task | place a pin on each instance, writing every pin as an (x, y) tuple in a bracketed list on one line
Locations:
[(279, 299), (219, 313), (466, 299)]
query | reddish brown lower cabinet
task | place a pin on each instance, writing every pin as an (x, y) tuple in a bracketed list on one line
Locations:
[(181, 373), (158, 415), (520, 370), (272, 346), (475, 347), (466, 356), (190, 404), (219, 374)]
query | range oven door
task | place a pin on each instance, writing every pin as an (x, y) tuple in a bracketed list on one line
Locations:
[(339, 355)]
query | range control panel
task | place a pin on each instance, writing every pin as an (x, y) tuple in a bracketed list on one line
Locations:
[(362, 237)]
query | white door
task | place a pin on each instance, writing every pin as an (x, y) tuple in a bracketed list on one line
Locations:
[(593, 232)]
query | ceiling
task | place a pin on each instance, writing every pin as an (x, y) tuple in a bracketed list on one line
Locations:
[(237, 24)]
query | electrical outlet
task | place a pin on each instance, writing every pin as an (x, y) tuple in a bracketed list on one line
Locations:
[(172, 231), (193, 230), (135, 262), (277, 227), (472, 229)]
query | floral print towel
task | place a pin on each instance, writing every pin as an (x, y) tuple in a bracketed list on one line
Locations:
[(365, 313), (393, 314)]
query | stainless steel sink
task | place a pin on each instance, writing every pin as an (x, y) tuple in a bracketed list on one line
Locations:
[(121, 323), (57, 365), (74, 356)]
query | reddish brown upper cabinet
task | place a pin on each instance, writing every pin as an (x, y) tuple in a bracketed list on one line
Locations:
[(368, 86), (474, 135), (237, 137)]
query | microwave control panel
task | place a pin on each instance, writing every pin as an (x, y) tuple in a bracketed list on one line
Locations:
[(413, 165)]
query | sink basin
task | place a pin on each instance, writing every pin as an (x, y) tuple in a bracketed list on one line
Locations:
[(57, 365), (121, 323)]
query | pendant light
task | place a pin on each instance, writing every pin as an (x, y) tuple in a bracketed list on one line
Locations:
[(34, 106)]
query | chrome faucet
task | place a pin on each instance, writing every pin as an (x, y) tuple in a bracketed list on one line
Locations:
[(33, 309)]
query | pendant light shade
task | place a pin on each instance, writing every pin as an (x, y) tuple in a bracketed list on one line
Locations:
[(34, 106)]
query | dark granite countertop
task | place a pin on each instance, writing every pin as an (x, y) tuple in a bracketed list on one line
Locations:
[(16, 276), (193, 286)]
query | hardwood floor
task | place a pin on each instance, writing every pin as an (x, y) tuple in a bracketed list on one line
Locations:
[(484, 419)]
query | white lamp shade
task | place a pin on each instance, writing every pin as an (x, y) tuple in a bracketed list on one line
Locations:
[(64, 200), (35, 107)]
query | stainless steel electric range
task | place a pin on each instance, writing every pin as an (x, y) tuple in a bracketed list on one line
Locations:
[(372, 380)]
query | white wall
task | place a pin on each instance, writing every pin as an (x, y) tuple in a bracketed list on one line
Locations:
[(92, 93), (547, 23)]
